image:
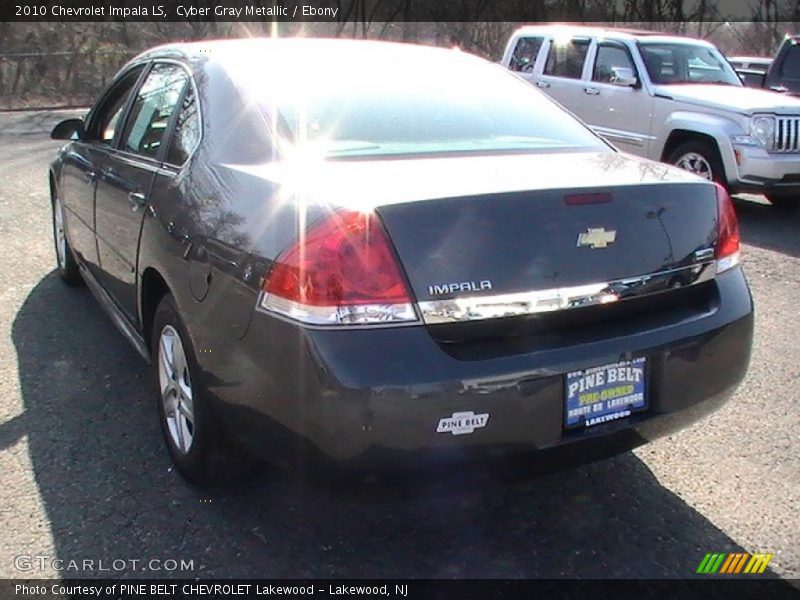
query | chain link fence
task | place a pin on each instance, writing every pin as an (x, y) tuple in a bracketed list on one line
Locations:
[(56, 79)]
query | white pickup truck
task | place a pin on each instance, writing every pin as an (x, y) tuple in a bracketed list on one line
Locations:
[(667, 98)]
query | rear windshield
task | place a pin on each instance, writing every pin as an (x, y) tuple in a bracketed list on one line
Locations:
[(686, 63), (470, 107)]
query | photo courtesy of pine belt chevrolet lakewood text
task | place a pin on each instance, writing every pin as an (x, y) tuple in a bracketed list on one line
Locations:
[(429, 262)]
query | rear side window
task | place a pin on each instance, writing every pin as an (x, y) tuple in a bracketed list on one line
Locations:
[(187, 130), (566, 57), (613, 62), (790, 69), (525, 54), (152, 109)]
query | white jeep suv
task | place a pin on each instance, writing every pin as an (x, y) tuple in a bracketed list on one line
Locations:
[(668, 98)]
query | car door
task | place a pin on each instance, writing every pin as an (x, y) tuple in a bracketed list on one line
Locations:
[(563, 70), (83, 161), (615, 105), (126, 177)]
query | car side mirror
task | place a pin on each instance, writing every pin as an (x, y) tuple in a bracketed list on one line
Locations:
[(624, 77), (626, 82), (71, 129)]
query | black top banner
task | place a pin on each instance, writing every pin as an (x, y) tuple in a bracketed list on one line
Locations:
[(343, 11)]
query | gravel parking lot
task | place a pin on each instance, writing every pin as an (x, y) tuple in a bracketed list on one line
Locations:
[(85, 477)]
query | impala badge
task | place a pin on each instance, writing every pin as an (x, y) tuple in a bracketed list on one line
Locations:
[(597, 238)]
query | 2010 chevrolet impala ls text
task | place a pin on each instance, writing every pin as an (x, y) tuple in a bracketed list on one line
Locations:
[(408, 252)]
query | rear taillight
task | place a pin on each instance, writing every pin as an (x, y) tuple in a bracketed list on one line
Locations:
[(342, 271), (727, 248)]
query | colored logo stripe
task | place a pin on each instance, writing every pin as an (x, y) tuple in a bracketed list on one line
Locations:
[(758, 564), (733, 563), (711, 563)]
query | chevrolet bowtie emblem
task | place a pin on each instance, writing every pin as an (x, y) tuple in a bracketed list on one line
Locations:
[(596, 238)]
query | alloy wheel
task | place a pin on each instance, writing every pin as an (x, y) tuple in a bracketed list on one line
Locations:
[(61, 240), (697, 164), (176, 389)]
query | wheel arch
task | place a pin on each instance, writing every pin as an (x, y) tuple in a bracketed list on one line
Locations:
[(152, 288), (681, 136), (714, 130)]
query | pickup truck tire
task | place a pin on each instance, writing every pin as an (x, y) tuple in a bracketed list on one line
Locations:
[(784, 201), (193, 435), (66, 264), (700, 158)]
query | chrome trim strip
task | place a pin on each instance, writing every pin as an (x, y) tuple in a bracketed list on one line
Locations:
[(480, 308), (108, 305), (629, 137)]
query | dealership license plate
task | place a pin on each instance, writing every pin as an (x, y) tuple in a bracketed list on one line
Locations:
[(604, 394)]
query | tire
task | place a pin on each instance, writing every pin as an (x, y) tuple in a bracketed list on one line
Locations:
[(784, 202), (700, 158), (193, 436), (66, 265)]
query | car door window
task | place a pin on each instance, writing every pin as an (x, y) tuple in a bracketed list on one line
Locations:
[(565, 58), (790, 69), (525, 53), (613, 62), (152, 109), (106, 116), (186, 134)]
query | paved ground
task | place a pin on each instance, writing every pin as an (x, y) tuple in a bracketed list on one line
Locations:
[(83, 474)]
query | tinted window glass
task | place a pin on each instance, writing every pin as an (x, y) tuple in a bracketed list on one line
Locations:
[(107, 115), (152, 109), (187, 130), (612, 63), (525, 54), (687, 63), (790, 68), (470, 106), (566, 57)]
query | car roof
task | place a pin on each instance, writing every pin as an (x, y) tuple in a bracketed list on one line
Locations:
[(615, 32), (304, 51)]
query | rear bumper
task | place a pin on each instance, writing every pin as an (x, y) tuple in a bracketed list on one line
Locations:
[(357, 396)]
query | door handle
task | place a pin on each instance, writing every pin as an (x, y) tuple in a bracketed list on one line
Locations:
[(137, 199), (543, 84), (591, 91)]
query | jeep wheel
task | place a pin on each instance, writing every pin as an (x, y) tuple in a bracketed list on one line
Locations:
[(699, 158)]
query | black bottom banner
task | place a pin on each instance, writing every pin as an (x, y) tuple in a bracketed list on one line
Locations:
[(705, 589)]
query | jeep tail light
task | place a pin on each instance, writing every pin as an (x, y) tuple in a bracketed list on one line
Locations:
[(727, 248), (341, 271)]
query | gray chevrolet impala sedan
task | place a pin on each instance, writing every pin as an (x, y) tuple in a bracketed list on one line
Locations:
[(350, 252)]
